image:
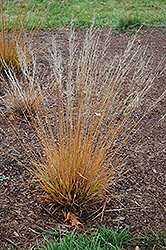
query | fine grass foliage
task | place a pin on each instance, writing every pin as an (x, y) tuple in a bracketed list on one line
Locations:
[(131, 23), (13, 34), (22, 97), (114, 238), (149, 238), (80, 138), (103, 238)]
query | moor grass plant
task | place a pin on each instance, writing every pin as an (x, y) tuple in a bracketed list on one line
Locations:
[(79, 143), (22, 97), (13, 34)]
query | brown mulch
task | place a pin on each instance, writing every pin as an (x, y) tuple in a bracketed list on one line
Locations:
[(140, 201)]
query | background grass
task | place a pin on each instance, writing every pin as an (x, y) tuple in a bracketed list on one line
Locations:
[(120, 14), (103, 238)]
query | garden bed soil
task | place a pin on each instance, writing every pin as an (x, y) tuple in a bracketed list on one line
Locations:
[(140, 201)]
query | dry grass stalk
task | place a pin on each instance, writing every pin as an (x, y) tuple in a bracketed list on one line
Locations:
[(80, 144)]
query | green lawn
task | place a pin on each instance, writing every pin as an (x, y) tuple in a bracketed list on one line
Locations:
[(103, 238), (120, 14)]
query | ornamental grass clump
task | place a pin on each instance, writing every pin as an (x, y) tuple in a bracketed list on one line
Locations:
[(22, 96), (22, 101), (89, 120), (13, 34)]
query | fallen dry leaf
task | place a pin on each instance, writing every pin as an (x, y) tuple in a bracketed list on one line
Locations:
[(73, 220)]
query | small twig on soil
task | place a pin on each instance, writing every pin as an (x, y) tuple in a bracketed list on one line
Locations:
[(115, 210), (28, 241), (96, 216), (52, 215), (159, 202), (34, 231), (92, 214), (120, 209), (10, 241), (102, 213)]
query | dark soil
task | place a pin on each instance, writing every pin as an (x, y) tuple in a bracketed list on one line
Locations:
[(140, 201)]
